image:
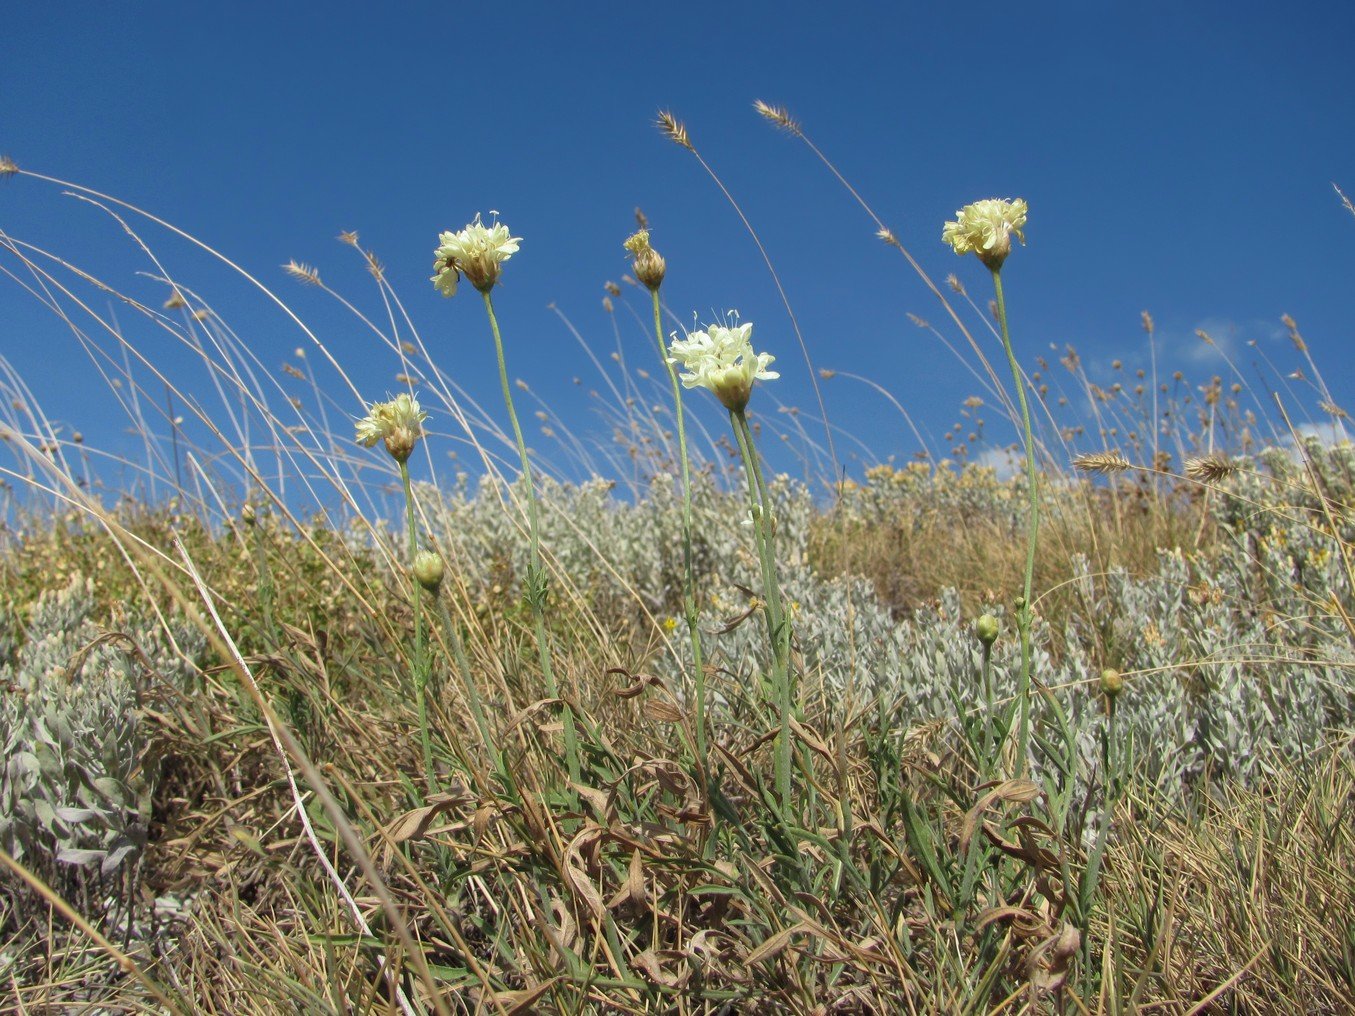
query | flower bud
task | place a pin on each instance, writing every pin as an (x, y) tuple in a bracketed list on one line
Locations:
[(1112, 683), (428, 570), (649, 266), (986, 627), (400, 443), (248, 516)]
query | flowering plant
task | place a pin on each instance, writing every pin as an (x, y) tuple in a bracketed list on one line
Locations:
[(476, 252), (398, 423), (722, 359), (985, 227)]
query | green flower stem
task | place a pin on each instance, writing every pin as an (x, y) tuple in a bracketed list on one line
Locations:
[(265, 577), (536, 577), (472, 692), (689, 591), (778, 629), (987, 756), (1023, 617), (420, 655)]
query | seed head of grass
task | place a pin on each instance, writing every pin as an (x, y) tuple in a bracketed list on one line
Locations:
[(777, 115), (303, 273), (8, 167), (675, 129), (1210, 468), (1101, 462)]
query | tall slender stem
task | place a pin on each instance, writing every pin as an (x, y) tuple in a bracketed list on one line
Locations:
[(536, 577), (420, 656), (1032, 526), (472, 693), (778, 629), (689, 565)]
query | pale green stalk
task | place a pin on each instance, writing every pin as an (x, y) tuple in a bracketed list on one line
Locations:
[(536, 576), (986, 761), (778, 628), (472, 692), (420, 655), (689, 591), (1023, 616)]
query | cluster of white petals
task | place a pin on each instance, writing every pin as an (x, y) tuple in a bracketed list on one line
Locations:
[(985, 228), (722, 359), (398, 423), (476, 252)]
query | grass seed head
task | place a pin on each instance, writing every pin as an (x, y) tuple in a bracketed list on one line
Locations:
[(1103, 463)]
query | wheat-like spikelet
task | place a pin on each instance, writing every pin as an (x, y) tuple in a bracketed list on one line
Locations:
[(1344, 200), (1294, 335), (8, 167), (1332, 409), (302, 272), (777, 115), (1101, 462), (1210, 468), (675, 129)]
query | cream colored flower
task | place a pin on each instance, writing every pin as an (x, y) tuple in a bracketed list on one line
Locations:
[(985, 228), (398, 423), (722, 359), (476, 252), (649, 265)]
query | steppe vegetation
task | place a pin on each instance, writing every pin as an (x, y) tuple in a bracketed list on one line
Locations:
[(685, 736)]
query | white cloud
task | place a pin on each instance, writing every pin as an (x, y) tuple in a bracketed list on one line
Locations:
[(1006, 462)]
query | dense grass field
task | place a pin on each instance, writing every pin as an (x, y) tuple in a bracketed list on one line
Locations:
[(688, 736)]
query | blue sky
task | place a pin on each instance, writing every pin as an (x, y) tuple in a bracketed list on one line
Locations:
[(1176, 158)]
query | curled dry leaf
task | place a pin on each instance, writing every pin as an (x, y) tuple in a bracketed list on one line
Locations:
[(1049, 962)]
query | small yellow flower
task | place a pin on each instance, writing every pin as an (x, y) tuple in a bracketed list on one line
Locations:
[(722, 359), (670, 624), (398, 423), (649, 266), (985, 228), (475, 252)]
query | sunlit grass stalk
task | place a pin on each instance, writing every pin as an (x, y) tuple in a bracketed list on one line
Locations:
[(420, 650), (472, 692), (265, 587), (778, 627), (536, 577), (1024, 612), (689, 565)]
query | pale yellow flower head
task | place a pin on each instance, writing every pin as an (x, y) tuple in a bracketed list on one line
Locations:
[(398, 423), (475, 252), (649, 266), (722, 359), (986, 229)]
